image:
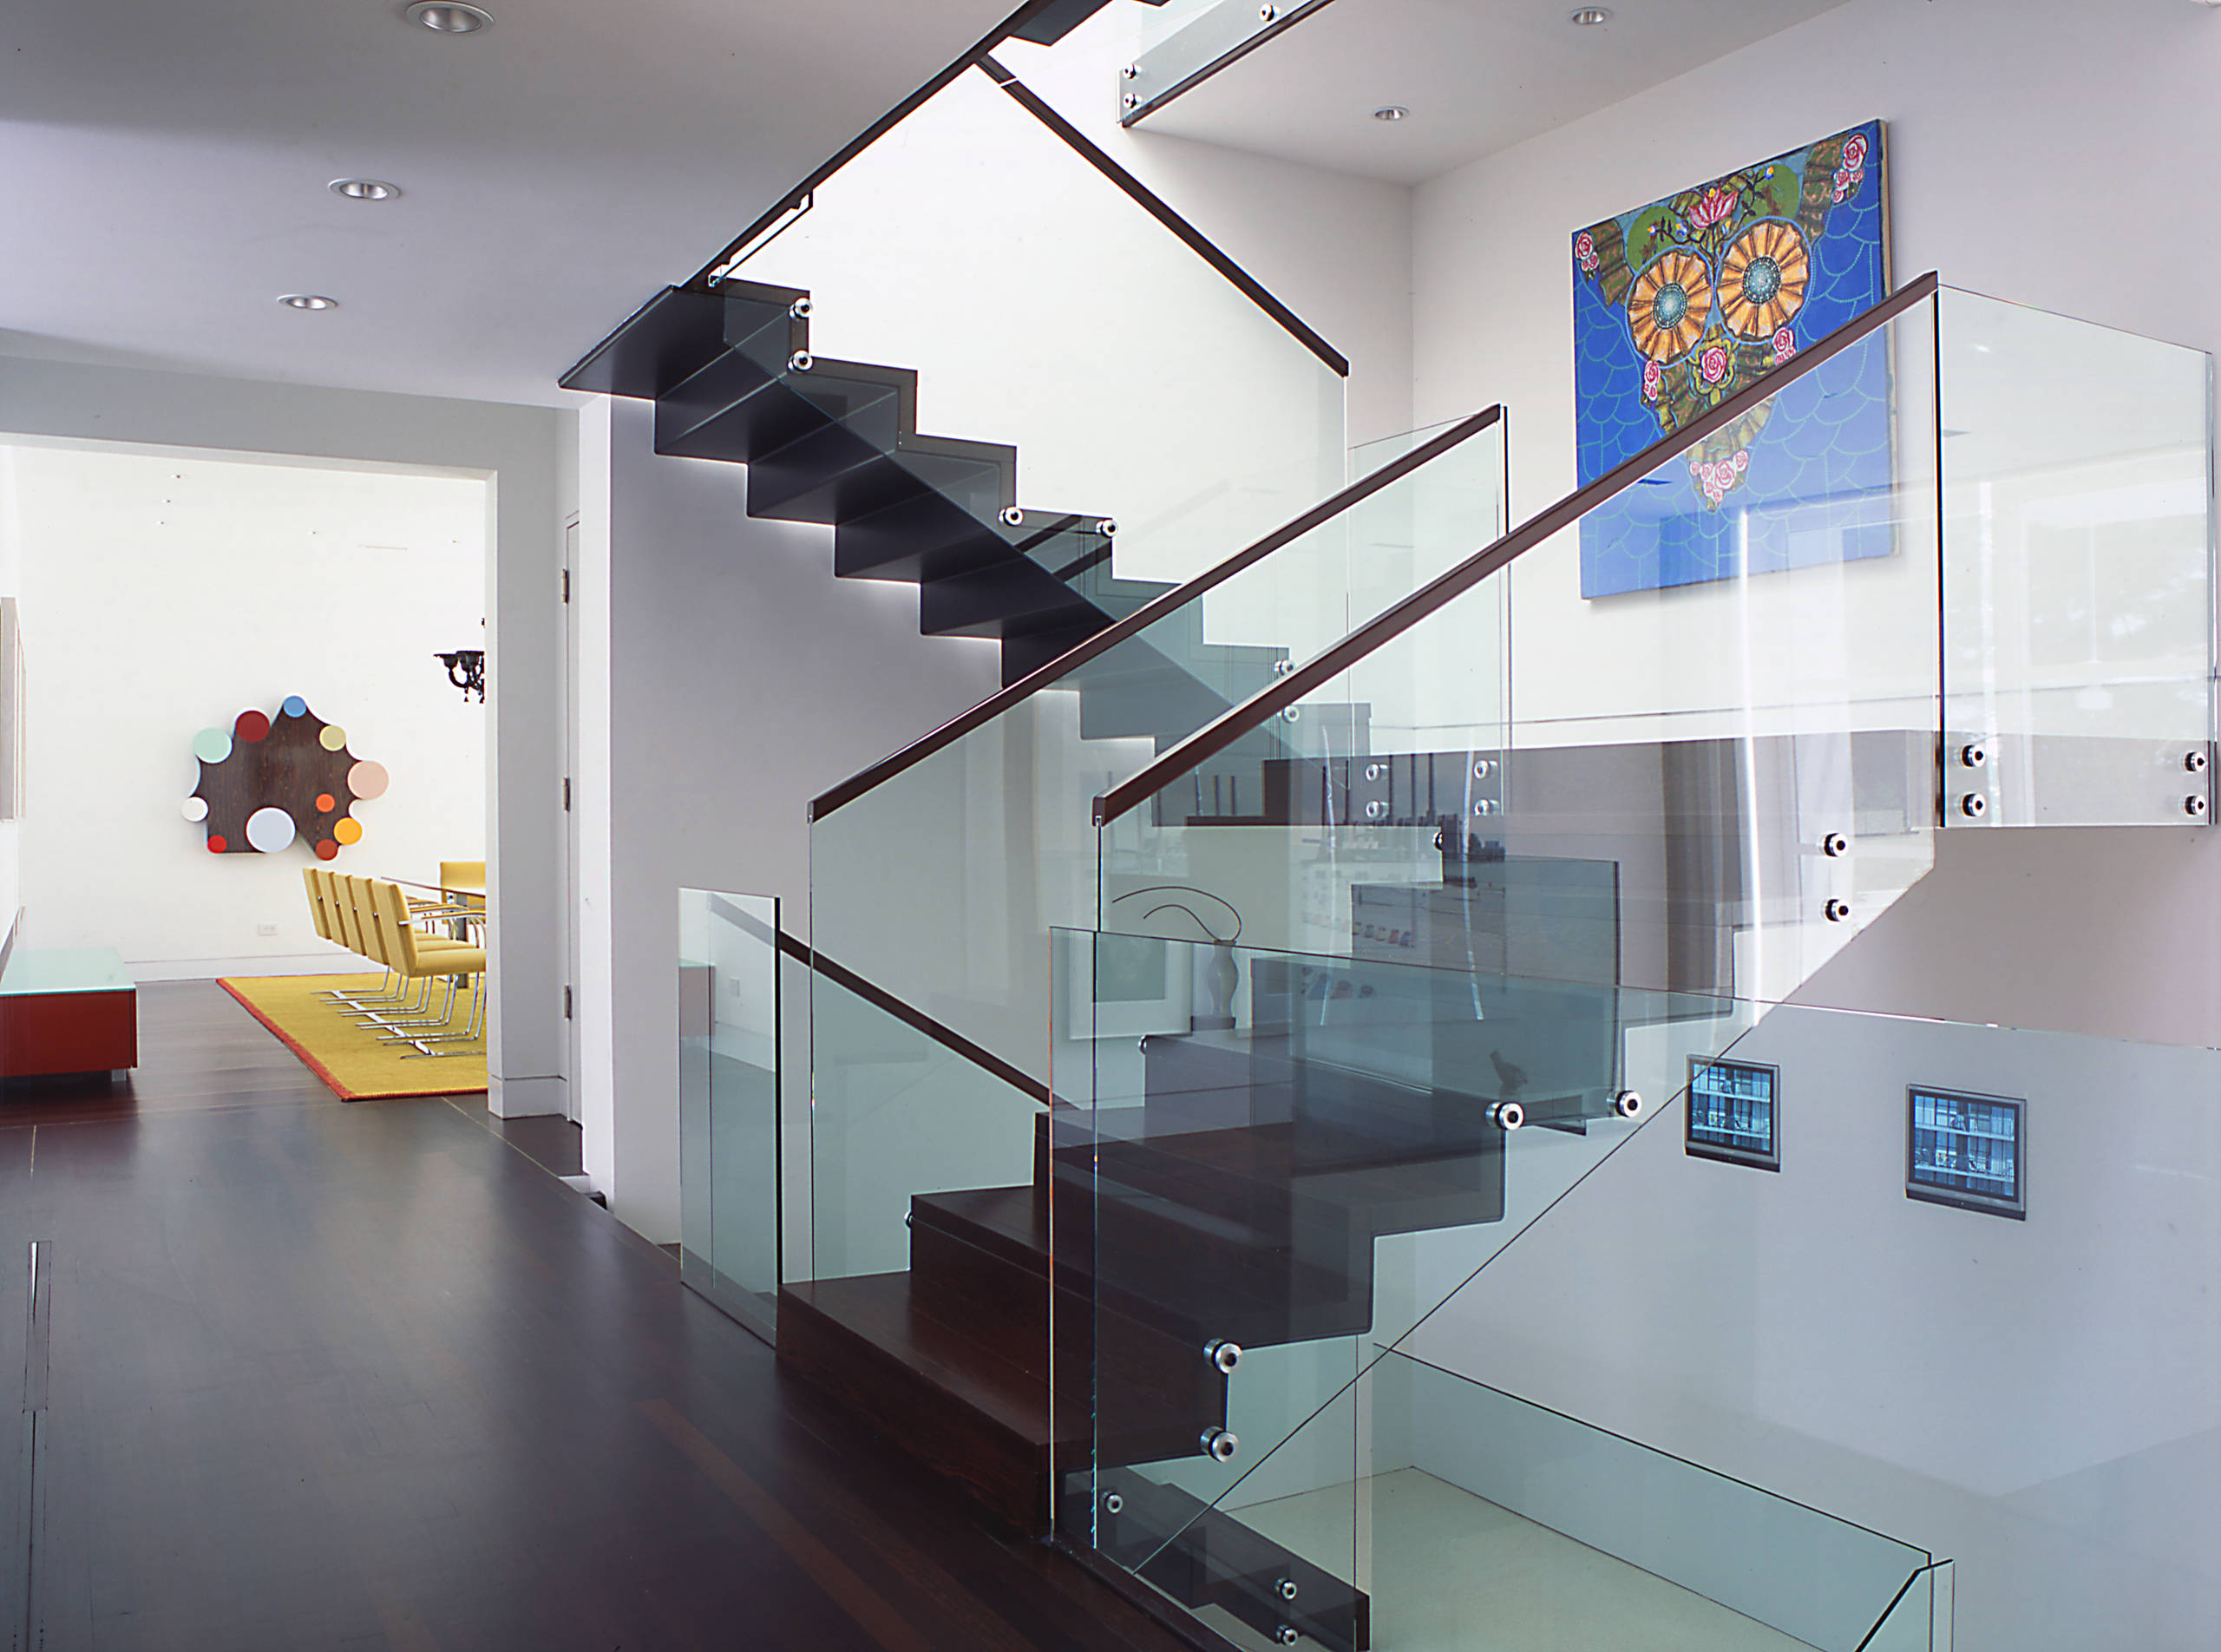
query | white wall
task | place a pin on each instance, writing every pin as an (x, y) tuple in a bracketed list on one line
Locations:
[(518, 449), (1333, 247), (213, 586), (2033, 1399), (726, 677)]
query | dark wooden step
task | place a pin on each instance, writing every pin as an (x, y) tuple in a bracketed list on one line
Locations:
[(965, 1408), (1143, 1393)]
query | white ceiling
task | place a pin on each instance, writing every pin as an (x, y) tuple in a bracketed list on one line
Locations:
[(1477, 76), (163, 165)]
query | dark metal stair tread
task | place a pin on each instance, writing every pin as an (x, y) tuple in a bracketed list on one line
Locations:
[(837, 443), (878, 1308)]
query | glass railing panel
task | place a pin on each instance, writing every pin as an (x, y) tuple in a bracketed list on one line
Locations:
[(1725, 688), (1268, 1162), (1594, 1538), (1708, 761), (1920, 1619), (933, 890), (1044, 308), (1190, 42), (1967, 1306), (729, 1085), (2077, 568)]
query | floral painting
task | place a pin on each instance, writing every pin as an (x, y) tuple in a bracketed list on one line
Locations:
[(1680, 305)]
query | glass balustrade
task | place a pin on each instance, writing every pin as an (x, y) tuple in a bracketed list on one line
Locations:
[(1699, 783), (2078, 581), (936, 879), (728, 1066), (1931, 1370), (1548, 842), (1253, 1150), (1188, 40)]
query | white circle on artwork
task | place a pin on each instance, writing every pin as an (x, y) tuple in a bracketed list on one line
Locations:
[(194, 808), (269, 829)]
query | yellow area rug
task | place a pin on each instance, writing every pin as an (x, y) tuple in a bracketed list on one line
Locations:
[(345, 1053)]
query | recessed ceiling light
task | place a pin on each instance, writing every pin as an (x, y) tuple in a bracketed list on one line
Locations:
[(447, 16), (1391, 112), (308, 301), (364, 189), (1589, 17)]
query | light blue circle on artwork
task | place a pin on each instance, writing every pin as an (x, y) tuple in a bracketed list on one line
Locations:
[(212, 745), (296, 706), (269, 829)]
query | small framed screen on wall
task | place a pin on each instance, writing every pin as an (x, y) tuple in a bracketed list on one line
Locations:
[(1735, 1113), (1966, 1150)]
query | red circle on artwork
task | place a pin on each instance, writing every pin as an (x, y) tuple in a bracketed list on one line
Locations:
[(327, 850), (216, 844), (325, 804), (252, 726)]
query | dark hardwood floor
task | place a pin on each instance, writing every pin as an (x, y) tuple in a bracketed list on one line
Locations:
[(367, 1375)]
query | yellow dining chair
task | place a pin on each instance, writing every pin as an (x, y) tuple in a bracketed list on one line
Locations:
[(413, 994), (418, 956), (330, 902)]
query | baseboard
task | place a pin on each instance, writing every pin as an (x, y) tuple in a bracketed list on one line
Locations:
[(327, 963), (537, 1097)]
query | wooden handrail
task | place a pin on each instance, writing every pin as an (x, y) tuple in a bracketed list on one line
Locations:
[(1148, 613)]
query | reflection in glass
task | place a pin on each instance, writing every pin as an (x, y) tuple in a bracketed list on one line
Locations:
[(729, 1102)]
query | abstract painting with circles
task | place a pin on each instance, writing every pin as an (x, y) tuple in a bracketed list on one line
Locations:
[(1680, 305), (265, 782)]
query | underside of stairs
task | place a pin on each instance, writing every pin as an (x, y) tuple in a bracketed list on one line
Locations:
[(733, 377)]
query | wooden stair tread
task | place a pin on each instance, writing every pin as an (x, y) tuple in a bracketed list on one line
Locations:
[(879, 1308)]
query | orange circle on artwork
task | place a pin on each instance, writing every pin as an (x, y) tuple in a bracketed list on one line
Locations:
[(326, 849), (325, 804), (216, 844), (252, 726), (348, 831), (367, 780)]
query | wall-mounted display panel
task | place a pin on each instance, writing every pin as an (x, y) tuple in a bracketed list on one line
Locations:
[(1966, 1150), (1735, 1113)]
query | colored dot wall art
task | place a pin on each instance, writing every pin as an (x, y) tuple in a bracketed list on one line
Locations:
[(1678, 305), (265, 782)]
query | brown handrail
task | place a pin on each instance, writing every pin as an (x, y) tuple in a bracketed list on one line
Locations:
[(912, 1016), (880, 999), (1148, 613), (801, 197), (1150, 202), (1284, 691)]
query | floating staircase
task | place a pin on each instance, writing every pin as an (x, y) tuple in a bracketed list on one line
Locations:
[(1237, 1209), (733, 378)]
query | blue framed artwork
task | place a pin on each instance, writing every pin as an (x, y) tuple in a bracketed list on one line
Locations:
[(1966, 1150), (1734, 1113), (1678, 306)]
